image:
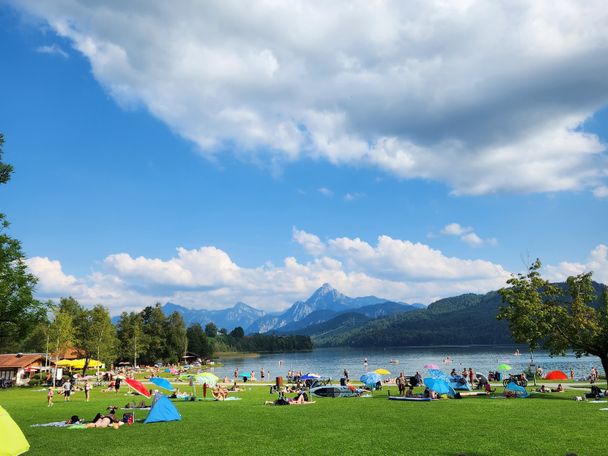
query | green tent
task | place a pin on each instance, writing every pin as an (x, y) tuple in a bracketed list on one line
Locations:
[(12, 440)]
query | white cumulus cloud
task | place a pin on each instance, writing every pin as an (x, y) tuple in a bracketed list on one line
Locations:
[(597, 262), (482, 96), (467, 235)]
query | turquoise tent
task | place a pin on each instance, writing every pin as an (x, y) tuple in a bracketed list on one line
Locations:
[(162, 410), (513, 389), (439, 386)]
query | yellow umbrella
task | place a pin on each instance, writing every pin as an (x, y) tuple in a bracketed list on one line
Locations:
[(382, 372), (79, 363), (64, 363)]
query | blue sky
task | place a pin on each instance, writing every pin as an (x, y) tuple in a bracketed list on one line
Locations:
[(109, 181)]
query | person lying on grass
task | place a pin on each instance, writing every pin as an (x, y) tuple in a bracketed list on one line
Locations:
[(559, 389), (301, 398), (104, 421)]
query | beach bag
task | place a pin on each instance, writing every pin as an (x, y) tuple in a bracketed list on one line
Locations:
[(127, 418)]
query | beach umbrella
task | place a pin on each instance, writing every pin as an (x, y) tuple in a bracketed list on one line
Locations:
[(245, 374), (382, 372), (138, 386), (556, 375), (162, 382), (431, 366), (504, 367), (310, 376), (208, 378), (370, 379), (64, 363)]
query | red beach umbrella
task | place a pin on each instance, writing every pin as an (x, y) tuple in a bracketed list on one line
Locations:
[(556, 375), (138, 386)]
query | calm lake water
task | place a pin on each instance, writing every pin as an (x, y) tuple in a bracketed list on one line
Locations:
[(332, 361)]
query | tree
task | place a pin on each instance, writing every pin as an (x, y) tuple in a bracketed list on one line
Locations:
[(98, 336), (198, 342), (61, 333), (131, 336), (154, 328), (19, 311), (211, 329), (555, 317), (237, 333), (175, 337)]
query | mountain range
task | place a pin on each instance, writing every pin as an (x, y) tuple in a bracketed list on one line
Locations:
[(468, 319), (324, 304)]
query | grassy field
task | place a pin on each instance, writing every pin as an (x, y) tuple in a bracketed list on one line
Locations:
[(546, 424)]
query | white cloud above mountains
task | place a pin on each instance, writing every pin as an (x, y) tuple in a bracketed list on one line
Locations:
[(482, 96), (208, 278), (467, 235)]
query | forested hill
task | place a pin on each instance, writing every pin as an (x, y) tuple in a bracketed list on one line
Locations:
[(461, 320), (469, 319)]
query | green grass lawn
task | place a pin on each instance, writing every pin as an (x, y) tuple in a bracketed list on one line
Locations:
[(550, 424)]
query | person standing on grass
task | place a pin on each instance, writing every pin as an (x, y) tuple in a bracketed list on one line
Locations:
[(67, 390), (262, 374), (117, 384), (87, 390), (49, 397), (571, 374)]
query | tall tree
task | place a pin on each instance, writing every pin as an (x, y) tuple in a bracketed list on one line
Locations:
[(211, 329), (61, 333), (154, 329), (237, 333), (98, 340), (19, 311), (198, 342), (175, 337), (132, 340), (557, 318)]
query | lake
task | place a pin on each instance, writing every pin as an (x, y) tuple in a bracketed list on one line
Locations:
[(331, 362)]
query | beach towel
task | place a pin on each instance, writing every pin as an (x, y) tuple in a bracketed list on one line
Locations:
[(51, 424)]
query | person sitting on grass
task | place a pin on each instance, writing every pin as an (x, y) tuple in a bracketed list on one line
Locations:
[(559, 389), (543, 389), (488, 388), (410, 392), (219, 393), (234, 387)]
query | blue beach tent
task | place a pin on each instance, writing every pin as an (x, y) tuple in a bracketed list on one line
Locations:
[(516, 390), (162, 410), (439, 386), (458, 382)]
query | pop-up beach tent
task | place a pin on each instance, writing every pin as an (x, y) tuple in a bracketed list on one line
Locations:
[(514, 390), (12, 440), (458, 382), (162, 410), (439, 386), (556, 375)]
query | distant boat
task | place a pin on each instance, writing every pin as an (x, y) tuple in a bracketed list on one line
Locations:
[(394, 361)]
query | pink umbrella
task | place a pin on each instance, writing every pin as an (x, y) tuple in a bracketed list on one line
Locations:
[(431, 366)]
